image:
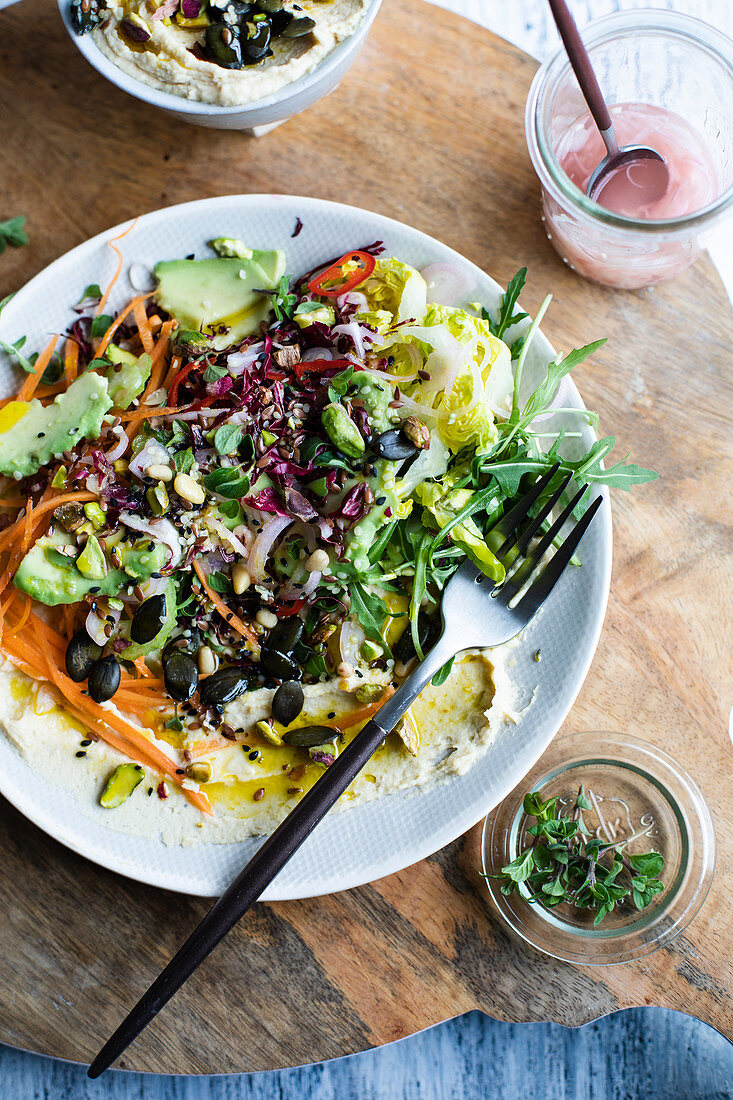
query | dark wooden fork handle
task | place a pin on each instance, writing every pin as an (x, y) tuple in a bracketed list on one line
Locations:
[(245, 890)]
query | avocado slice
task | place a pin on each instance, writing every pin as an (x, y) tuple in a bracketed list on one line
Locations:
[(127, 376), (31, 434), (52, 577), (208, 294)]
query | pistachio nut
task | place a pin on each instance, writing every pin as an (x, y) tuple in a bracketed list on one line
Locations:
[(268, 733), (120, 785), (369, 693), (199, 772), (417, 432), (342, 431)]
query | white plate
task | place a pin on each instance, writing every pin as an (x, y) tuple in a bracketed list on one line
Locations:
[(378, 838)]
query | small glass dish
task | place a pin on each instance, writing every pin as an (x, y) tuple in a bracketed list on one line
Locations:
[(662, 58), (639, 792)]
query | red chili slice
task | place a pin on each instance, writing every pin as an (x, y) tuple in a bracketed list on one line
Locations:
[(180, 377), (286, 610), (343, 276), (318, 366)]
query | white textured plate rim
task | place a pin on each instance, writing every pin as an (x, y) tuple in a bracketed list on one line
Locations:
[(460, 822)]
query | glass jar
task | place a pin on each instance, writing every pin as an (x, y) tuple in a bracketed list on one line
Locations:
[(657, 57), (640, 796)]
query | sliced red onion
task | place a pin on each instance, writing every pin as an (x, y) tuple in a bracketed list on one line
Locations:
[(416, 407), (120, 447), (157, 397), (356, 335), (160, 529), (351, 639), (238, 361), (448, 284), (298, 591), (227, 536), (353, 298), (263, 544), (153, 587), (166, 10), (95, 625), (193, 415), (316, 353), (152, 454), (306, 530)]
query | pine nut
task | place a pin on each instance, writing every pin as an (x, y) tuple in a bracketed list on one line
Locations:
[(207, 660), (241, 579), (188, 489), (266, 619), (317, 562), (345, 670), (159, 472)]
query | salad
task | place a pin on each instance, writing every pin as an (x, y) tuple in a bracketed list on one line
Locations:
[(243, 486)]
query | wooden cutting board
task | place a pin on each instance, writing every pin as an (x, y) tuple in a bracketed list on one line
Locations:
[(428, 129)]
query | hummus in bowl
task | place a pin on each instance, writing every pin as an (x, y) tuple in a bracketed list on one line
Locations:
[(234, 65), (174, 57)]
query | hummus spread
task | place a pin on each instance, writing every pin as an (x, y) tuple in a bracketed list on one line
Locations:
[(166, 61), (456, 723)]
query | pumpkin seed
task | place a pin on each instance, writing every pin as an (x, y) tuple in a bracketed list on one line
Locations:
[(298, 27), (104, 678), (394, 446), (307, 737), (279, 665), (181, 676), (223, 686), (285, 636), (81, 653), (148, 620), (287, 702)]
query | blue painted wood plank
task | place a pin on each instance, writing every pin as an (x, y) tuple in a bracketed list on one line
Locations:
[(641, 1054)]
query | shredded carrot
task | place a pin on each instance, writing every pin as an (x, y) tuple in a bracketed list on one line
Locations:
[(26, 391), (143, 326), (203, 748), (141, 667), (103, 300), (147, 414), (357, 716), (71, 359), (102, 345), (24, 616), (173, 369), (228, 616), (105, 723)]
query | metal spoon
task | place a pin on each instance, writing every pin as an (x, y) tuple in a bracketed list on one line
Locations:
[(651, 173)]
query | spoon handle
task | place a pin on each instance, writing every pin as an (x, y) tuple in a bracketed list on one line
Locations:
[(584, 71)]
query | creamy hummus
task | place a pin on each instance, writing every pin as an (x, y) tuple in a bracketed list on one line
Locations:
[(456, 723), (165, 61)]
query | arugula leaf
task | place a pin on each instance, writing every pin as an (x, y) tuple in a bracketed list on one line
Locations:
[(12, 233), (307, 307), (541, 399), (97, 364), (283, 302), (510, 297), (419, 586), (227, 438), (443, 673), (371, 612)]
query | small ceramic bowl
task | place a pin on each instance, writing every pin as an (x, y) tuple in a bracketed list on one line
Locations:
[(258, 116)]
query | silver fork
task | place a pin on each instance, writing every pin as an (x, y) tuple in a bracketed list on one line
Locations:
[(476, 614)]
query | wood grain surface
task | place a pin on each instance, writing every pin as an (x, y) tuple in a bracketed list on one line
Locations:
[(427, 129)]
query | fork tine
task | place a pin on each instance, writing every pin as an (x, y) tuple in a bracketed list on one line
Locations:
[(548, 578), (531, 530), (557, 525), (515, 515)]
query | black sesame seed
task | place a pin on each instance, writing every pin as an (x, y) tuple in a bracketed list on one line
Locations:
[(332, 714), (180, 771), (81, 753), (156, 577), (95, 589), (151, 546), (359, 674), (150, 791), (380, 500), (246, 748), (254, 755), (85, 743)]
